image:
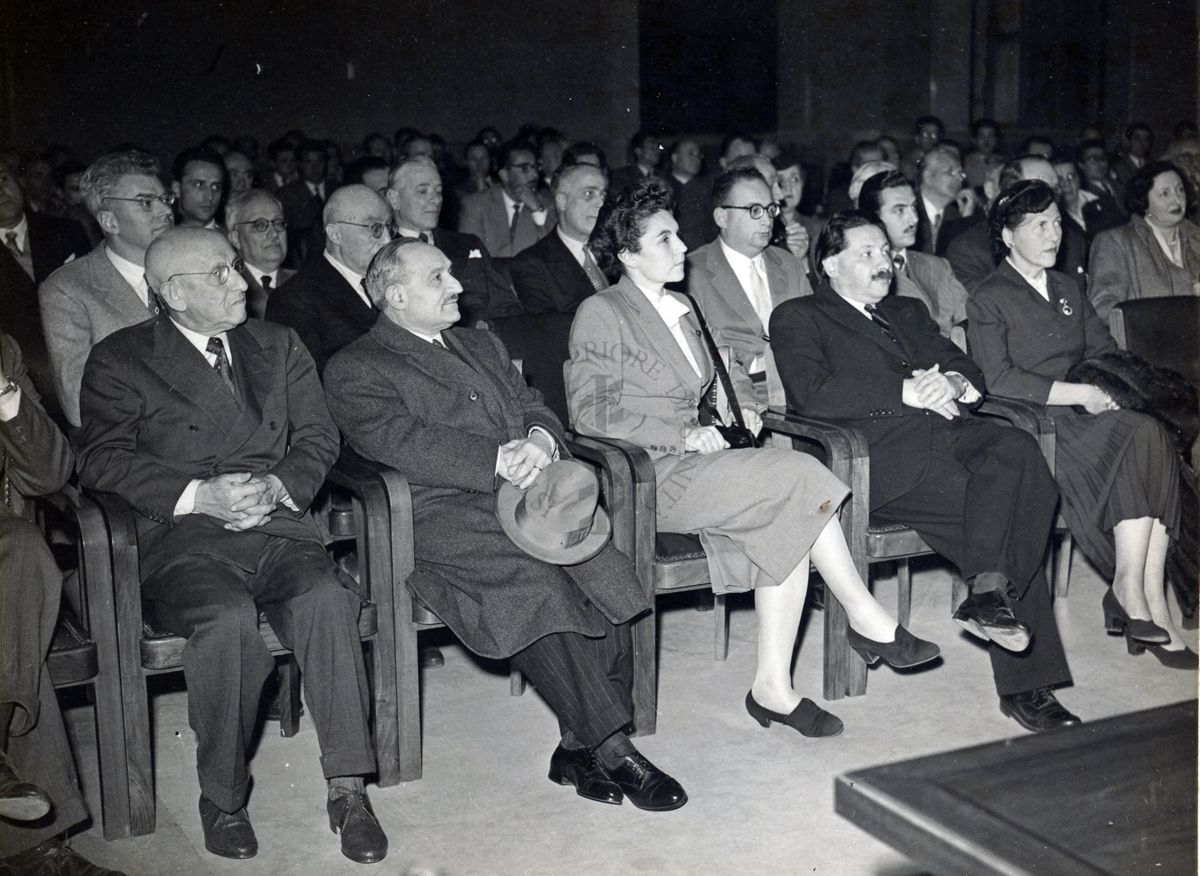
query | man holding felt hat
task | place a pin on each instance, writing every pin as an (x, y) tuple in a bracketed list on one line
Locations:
[(511, 551)]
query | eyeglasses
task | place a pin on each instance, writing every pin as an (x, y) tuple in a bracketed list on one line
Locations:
[(524, 165), (756, 211), (216, 277), (146, 201), (958, 173), (378, 229), (261, 224)]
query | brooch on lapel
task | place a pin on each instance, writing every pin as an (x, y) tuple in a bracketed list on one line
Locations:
[(1065, 307)]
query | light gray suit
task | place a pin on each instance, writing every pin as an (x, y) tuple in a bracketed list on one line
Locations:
[(725, 305), (930, 280), (82, 303), (757, 511)]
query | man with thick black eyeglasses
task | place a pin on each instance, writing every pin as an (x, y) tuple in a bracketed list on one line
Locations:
[(325, 302), (258, 231), (90, 298), (514, 215)]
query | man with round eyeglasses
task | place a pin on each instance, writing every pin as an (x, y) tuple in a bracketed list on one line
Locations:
[(258, 231), (739, 278), (325, 302), (106, 290), (224, 528)]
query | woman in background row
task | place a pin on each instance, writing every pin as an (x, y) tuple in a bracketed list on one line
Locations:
[(1157, 252), (1116, 469)]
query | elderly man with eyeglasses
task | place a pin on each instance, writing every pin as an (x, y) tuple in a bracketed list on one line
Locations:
[(325, 302), (90, 298), (739, 278), (258, 232), (214, 429), (944, 207)]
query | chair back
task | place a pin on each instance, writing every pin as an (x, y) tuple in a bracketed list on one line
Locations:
[(1163, 331), (539, 341)]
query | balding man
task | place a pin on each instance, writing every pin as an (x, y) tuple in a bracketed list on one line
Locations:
[(448, 410), (90, 298), (944, 208), (325, 302), (223, 530), (559, 271), (970, 253), (258, 231), (415, 197)]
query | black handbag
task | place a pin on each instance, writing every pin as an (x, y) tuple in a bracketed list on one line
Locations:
[(736, 434)]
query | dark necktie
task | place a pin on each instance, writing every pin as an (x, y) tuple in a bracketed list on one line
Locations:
[(512, 227), (21, 255), (881, 321), (266, 283), (426, 237), (593, 271), (898, 262), (221, 365)]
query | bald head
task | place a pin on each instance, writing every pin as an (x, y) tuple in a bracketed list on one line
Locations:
[(356, 226), (194, 271), (181, 249), (351, 203), (411, 283)]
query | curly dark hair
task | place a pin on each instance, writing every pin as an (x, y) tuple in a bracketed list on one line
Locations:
[(1137, 191), (1010, 209), (620, 224)]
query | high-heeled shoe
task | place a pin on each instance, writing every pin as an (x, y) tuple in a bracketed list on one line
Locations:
[(1118, 621), (808, 718), (1178, 659), (903, 651)]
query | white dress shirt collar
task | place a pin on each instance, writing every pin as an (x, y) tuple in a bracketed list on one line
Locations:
[(575, 246), (671, 310), (22, 230), (934, 213), (1042, 285), (258, 273), (355, 280), (134, 275), (200, 342)]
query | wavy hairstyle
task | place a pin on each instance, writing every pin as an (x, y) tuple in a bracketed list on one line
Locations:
[(619, 227)]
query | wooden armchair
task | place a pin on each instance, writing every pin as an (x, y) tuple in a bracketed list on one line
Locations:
[(129, 650)]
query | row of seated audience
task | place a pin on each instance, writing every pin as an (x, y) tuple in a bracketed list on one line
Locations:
[(188, 363)]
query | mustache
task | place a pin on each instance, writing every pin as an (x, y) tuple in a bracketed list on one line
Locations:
[(882, 275)]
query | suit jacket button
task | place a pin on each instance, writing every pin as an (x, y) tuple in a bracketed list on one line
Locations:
[(473, 396)]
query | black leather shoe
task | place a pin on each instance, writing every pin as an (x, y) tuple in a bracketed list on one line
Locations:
[(227, 834), (579, 767), (645, 785), (363, 840), (431, 658), (53, 857), (20, 800), (903, 652), (1037, 710), (989, 616), (808, 719)]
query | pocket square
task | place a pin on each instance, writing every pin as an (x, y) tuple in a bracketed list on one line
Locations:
[(475, 254)]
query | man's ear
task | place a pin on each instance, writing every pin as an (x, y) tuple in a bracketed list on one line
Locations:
[(830, 266), (177, 189), (720, 216), (169, 294), (107, 220)]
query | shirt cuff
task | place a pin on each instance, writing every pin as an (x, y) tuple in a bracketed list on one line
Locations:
[(970, 395), (187, 499), (549, 437), (10, 405)]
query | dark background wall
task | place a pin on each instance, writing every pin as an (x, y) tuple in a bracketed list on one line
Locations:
[(821, 72)]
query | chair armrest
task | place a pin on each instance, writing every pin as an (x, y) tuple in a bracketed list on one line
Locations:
[(845, 448), (1030, 416)]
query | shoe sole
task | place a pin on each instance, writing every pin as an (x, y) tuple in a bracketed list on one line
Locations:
[(1033, 729), (670, 808), (1008, 639), (560, 779), (24, 808)]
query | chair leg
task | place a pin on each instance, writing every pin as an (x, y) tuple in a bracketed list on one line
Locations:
[(1062, 565), (645, 674), (903, 592), (516, 683), (720, 627), (288, 699)]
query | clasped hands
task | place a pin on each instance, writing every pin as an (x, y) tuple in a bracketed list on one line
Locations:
[(930, 390), (241, 499), (706, 439)]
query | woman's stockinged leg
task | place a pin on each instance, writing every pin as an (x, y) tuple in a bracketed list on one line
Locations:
[(832, 558), (1132, 539), (1155, 582), (779, 610)]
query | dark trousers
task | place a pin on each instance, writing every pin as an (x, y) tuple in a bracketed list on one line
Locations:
[(30, 588), (987, 504), (215, 605), (586, 681)]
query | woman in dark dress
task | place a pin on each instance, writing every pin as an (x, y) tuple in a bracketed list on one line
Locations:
[(1116, 469)]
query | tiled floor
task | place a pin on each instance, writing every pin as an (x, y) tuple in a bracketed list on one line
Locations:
[(761, 800)]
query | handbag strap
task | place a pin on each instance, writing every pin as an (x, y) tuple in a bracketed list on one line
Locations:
[(718, 362)]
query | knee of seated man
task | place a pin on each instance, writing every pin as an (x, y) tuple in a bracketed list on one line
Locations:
[(22, 541)]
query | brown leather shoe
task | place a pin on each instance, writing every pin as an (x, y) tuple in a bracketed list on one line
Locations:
[(20, 800), (53, 857)]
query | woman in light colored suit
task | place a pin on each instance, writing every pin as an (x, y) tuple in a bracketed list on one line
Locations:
[(638, 371)]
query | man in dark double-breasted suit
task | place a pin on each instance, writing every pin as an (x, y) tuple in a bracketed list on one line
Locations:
[(979, 494), (447, 409), (215, 430)]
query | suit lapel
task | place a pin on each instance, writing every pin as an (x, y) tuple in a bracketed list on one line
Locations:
[(723, 277), (848, 316), (188, 373), (107, 281), (659, 338), (343, 297)]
